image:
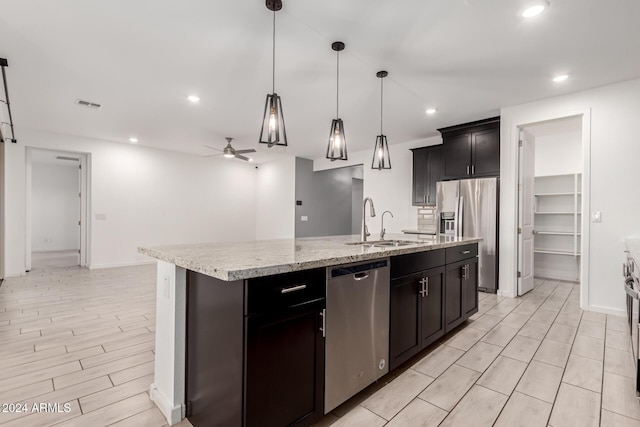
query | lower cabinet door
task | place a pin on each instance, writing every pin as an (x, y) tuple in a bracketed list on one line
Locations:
[(404, 319), (470, 288), (285, 368), (432, 302), (453, 311)]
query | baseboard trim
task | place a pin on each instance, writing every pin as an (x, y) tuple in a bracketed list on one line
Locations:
[(173, 414), (120, 264), (606, 310)]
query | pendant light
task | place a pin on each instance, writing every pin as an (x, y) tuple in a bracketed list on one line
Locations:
[(337, 148), (273, 131), (381, 159)]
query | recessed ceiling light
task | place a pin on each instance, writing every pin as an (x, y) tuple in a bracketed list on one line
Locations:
[(193, 98), (250, 159), (535, 9), (133, 139), (431, 111), (560, 78)]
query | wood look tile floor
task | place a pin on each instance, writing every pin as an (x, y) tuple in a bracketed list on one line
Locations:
[(86, 338), (79, 337), (538, 360)]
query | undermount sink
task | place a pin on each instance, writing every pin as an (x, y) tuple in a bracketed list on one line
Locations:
[(385, 243)]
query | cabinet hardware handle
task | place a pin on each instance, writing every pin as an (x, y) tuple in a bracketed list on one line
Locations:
[(293, 289), (465, 252), (425, 198), (467, 169), (324, 322), (465, 271), (424, 287), (473, 169), (361, 276)]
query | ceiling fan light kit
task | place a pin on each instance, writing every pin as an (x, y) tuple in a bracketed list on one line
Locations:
[(381, 159), (273, 130), (229, 152), (337, 147)]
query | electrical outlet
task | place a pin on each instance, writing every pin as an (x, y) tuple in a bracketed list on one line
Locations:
[(597, 216)]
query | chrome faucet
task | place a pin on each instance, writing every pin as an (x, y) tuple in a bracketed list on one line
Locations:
[(382, 230), (365, 231)]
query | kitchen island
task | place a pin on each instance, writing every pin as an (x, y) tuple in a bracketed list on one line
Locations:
[(210, 349)]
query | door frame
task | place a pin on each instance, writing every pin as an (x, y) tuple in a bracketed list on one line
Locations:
[(513, 131), (85, 174)]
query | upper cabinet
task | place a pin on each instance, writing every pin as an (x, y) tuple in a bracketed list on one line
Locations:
[(471, 150), (427, 170)]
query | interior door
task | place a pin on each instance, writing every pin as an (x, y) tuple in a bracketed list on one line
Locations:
[(526, 203)]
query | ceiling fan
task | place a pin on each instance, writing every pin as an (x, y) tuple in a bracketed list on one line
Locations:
[(230, 152)]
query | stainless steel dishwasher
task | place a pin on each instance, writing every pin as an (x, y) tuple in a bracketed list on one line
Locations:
[(356, 325)]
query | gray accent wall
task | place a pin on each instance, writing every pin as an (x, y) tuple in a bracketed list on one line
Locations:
[(329, 199)]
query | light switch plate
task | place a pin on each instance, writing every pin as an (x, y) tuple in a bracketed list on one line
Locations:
[(101, 217), (304, 218), (597, 216)]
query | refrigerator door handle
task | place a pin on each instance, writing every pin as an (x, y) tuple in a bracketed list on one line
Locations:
[(458, 219)]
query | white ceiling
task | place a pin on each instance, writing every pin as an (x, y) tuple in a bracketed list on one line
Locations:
[(140, 59)]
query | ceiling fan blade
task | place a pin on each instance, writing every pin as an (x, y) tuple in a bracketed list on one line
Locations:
[(213, 148), (238, 156), (245, 151), (213, 155)]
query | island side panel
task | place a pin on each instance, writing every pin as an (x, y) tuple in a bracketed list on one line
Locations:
[(215, 351), (167, 390)]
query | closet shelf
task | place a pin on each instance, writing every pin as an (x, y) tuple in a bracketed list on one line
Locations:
[(557, 213), (557, 233), (554, 252), (556, 194)]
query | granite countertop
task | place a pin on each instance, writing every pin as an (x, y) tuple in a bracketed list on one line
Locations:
[(245, 260)]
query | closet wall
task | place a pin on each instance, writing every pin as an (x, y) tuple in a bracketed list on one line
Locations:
[(557, 188)]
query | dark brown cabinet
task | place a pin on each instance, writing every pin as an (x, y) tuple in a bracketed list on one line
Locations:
[(416, 317), (471, 150), (285, 368), (461, 292), (255, 350), (427, 171)]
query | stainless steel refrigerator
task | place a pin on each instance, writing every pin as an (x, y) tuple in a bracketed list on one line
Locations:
[(469, 208)]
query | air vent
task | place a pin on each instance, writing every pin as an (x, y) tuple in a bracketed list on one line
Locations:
[(88, 104), (73, 159)]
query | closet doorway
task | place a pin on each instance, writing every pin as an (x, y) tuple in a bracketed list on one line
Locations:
[(56, 209), (550, 189)]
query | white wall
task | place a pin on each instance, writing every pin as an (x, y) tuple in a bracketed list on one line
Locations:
[(390, 189), (559, 154), (2, 212), (276, 200), (55, 208), (613, 112), (149, 197)]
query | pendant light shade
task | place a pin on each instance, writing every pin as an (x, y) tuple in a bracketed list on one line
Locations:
[(273, 131), (381, 159), (337, 148)]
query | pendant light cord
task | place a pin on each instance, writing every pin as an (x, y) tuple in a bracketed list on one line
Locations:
[(381, 94), (337, 83), (273, 55)]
